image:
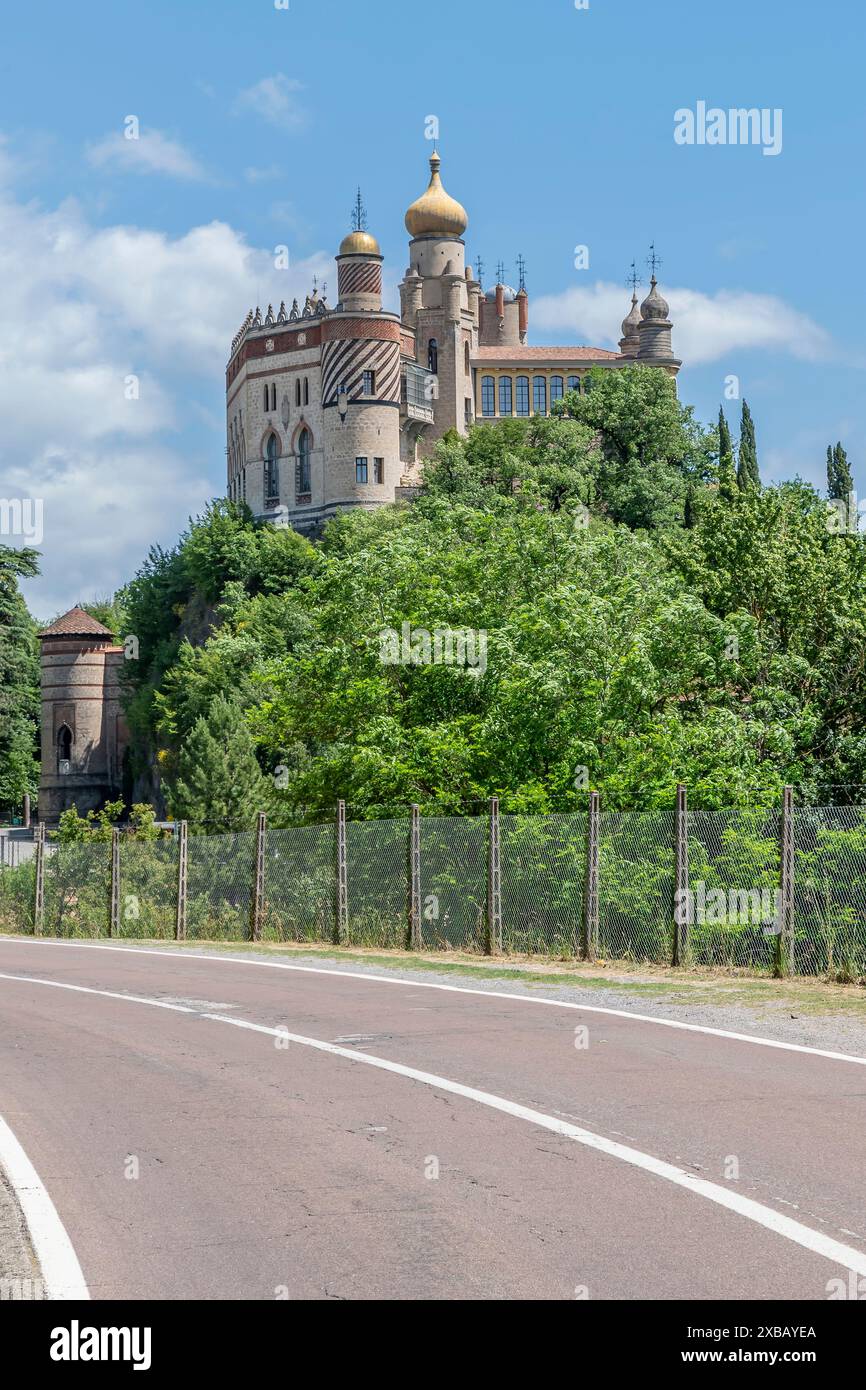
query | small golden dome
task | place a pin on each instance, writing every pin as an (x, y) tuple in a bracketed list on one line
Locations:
[(435, 213), (359, 244)]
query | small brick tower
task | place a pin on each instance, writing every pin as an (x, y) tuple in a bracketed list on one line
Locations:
[(84, 733)]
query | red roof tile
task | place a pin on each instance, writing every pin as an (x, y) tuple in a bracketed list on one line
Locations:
[(544, 354), (76, 623)]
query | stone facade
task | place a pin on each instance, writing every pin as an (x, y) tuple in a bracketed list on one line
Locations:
[(329, 408)]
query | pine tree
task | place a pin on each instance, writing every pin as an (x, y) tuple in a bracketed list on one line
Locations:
[(748, 474), (727, 472), (220, 786)]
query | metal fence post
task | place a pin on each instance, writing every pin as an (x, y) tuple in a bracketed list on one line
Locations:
[(415, 880), (681, 879), (39, 885), (785, 937), (494, 882), (114, 911), (341, 923), (257, 906), (589, 941), (180, 921)]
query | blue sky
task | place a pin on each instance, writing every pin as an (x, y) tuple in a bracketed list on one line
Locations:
[(257, 123)]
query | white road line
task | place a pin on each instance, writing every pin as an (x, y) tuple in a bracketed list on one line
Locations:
[(182, 954), (804, 1236), (58, 1263)]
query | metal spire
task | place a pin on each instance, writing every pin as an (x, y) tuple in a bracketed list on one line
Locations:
[(359, 214), (521, 267)]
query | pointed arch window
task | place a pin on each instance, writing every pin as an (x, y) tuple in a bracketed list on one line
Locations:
[(433, 356), (272, 470), (303, 467)]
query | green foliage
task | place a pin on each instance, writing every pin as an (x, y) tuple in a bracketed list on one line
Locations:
[(840, 482), (219, 784), (748, 473), (626, 650), (19, 681), (97, 827)]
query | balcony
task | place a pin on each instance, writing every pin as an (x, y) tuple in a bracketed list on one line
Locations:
[(419, 390)]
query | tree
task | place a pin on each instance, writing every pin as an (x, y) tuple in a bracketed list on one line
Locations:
[(840, 483), (748, 474), (728, 484), (220, 786), (19, 681)]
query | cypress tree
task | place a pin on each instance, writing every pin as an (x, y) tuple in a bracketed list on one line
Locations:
[(727, 472), (839, 479), (831, 472), (747, 468), (220, 785)]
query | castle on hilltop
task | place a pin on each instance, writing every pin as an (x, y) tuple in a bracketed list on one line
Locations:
[(329, 408)]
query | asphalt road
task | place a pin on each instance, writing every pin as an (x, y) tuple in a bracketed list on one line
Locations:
[(189, 1157)]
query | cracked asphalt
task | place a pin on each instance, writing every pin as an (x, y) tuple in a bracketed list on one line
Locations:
[(192, 1159)]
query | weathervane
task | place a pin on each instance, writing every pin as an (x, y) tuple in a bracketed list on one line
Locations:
[(359, 214), (479, 266), (521, 266), (652, 259), (633, 279), (500, 273)]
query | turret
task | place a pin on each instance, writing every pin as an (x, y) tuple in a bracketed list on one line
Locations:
[(655, 348), (359, 267)]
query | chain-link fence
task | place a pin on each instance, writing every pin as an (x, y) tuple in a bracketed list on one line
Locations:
[(759, 889)]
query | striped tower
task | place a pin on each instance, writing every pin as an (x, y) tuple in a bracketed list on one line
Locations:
[(361, 382)]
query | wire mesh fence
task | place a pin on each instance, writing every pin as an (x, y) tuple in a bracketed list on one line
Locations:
[(77, 889), (220, 873), (756, 889), (148, 888), (734, 868), (543, 875), (454, 882), (300, 884)]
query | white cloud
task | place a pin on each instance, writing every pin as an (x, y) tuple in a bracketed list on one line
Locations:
[(150, 153), (264, 175), (83, 308), (275, 100), (707, 328)]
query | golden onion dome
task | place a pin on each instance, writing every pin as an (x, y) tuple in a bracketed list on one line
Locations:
[(435, 213), (359, 244)]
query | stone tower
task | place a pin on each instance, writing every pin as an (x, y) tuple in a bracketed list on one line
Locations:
[(84, 733), (440, 302), (654, 332)]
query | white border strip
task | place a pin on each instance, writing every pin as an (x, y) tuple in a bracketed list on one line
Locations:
[(770, 1220), (58, 1263), (182, 954)]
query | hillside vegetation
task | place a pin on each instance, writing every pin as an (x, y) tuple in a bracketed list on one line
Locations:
[(651, 614)]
